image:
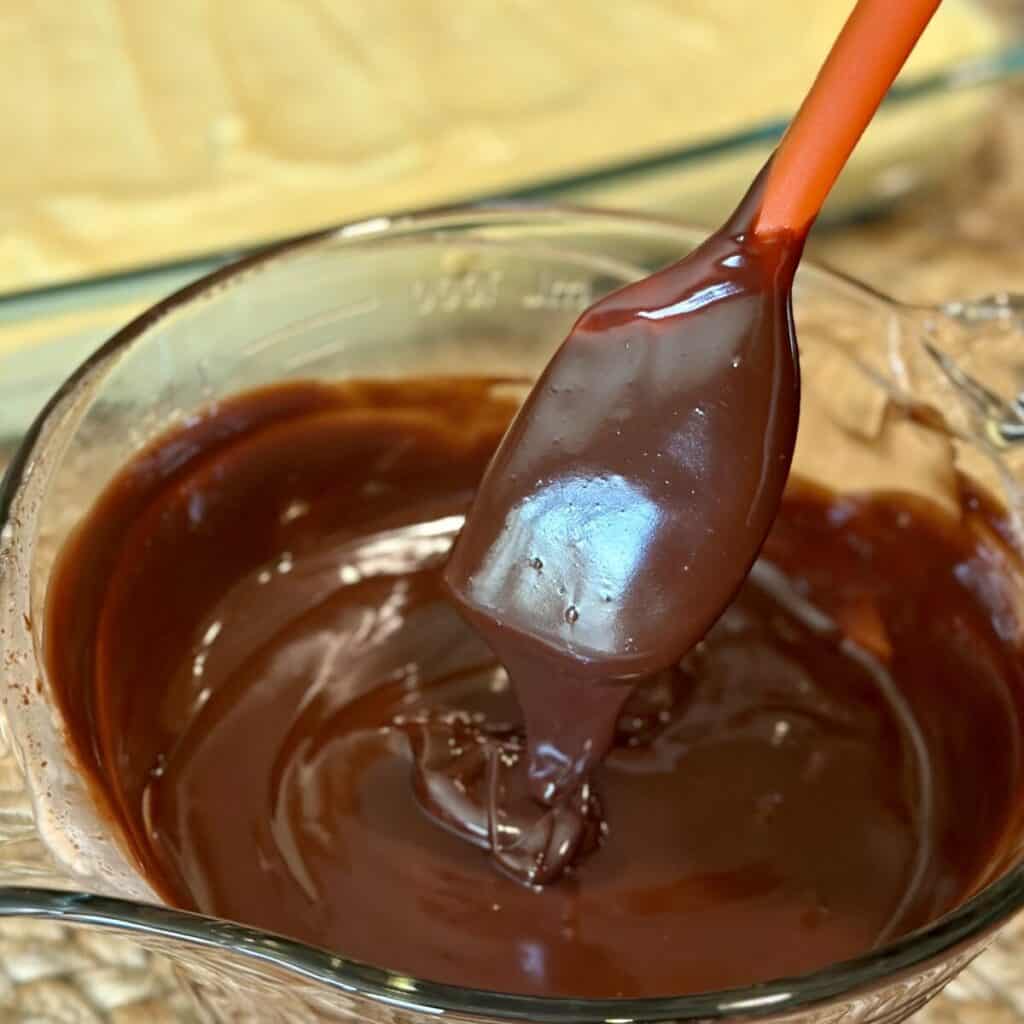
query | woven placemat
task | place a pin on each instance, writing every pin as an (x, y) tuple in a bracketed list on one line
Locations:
[(83, 976)]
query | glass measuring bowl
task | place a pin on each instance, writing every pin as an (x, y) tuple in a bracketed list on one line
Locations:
[(479, 290)]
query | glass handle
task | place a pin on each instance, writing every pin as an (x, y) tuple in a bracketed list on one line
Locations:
[(999, 306), (977, 347)]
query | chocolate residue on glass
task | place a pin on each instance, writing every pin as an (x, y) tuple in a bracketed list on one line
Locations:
[(264, 678), (628, 500)]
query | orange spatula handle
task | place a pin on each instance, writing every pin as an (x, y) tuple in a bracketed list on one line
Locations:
[(872, 47)]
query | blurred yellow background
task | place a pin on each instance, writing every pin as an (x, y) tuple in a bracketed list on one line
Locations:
[(134, 131)]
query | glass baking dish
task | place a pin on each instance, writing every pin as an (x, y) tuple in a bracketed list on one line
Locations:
[(139, 134), (928, 121)]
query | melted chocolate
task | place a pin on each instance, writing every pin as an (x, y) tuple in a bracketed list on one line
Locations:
[(293, 727), (627, 502)]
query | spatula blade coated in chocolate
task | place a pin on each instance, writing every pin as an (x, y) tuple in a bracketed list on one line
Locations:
[(636, 485)]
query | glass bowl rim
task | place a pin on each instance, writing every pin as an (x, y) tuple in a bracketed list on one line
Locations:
[(971, 920)]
